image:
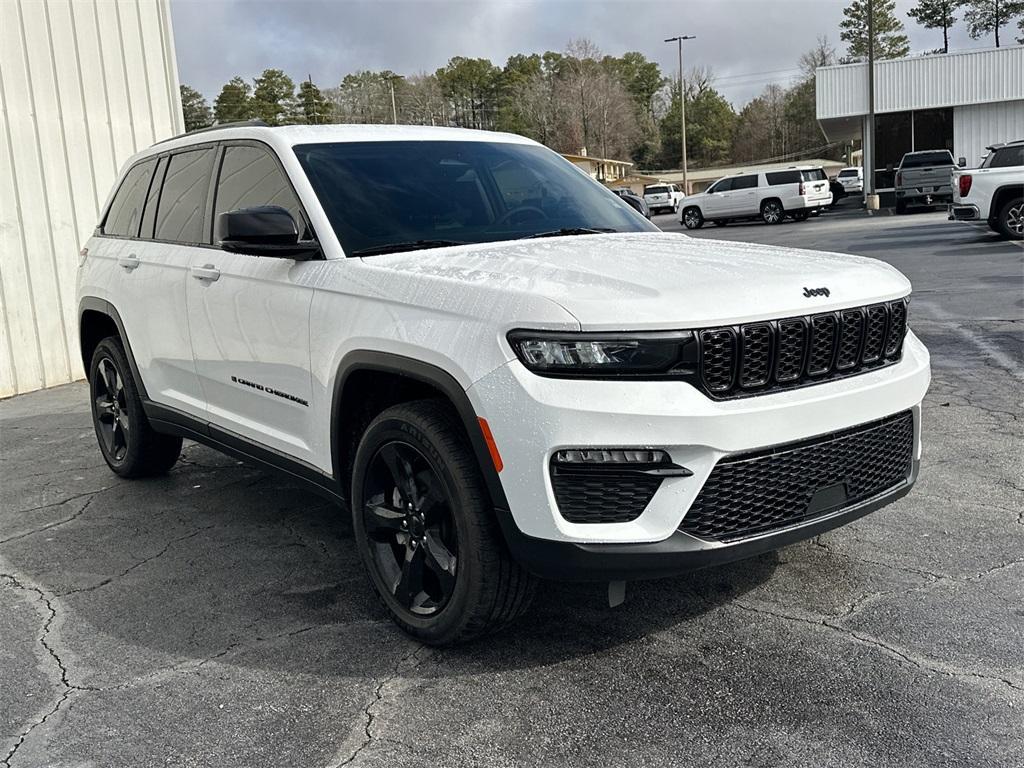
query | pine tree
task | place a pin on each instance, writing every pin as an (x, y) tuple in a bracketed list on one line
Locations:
[(936, 14), (273, 98), (314, 107), (890, 41), (194, 108), (986, 17), (234, 102)]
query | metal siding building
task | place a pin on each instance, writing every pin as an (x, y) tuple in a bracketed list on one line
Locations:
[(981, 92), (84, 84)]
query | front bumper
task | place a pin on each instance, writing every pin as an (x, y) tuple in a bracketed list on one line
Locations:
[(531, 417), (679, 553), (964, 212)]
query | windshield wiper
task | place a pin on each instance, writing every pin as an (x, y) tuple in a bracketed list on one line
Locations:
[(408, 246), (571, 231)]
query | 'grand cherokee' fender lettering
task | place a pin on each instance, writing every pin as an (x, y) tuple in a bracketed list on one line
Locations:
[(269, 390)]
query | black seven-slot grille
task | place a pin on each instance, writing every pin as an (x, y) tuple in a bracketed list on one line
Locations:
[(767, 356), (758, 492)]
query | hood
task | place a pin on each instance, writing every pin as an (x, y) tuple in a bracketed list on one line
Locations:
[(659, 280)]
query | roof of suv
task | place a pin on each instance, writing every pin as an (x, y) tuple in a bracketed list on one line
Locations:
[(291, 135)]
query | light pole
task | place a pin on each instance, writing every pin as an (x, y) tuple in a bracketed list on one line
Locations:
[(682, 104)]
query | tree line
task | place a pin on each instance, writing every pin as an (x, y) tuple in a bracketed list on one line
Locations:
[(621, 107)]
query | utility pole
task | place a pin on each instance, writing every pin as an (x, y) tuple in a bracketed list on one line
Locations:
[(868, 140), (309, 79), (394, 111), (682, 105)]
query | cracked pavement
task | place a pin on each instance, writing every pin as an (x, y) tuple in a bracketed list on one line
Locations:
[(219, 616)]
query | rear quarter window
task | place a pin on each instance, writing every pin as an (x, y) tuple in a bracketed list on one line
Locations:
[(783, 177), (125, 212)]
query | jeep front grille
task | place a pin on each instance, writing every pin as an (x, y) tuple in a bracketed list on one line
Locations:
[(760, 357), (755, 493)]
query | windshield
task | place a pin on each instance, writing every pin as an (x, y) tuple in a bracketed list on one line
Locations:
[(388, 196), (925, 159)]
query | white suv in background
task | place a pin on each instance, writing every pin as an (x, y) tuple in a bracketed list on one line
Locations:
[(501, 369), (851, 179), (662, 197), (768, 195)]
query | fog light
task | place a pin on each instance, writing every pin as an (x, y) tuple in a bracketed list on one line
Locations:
[(610, 456)]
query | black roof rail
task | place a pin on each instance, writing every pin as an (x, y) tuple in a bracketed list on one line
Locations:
[(254, 123)]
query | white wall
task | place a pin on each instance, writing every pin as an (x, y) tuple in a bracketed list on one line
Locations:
[(982, 125), (923, 82), (84, 84)]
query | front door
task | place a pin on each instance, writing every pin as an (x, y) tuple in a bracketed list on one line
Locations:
[(249, 317)]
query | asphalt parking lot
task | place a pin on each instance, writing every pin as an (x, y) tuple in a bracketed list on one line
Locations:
[(218, 616)]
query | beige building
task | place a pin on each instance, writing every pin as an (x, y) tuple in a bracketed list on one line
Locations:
[(84, 84), (604, 170)]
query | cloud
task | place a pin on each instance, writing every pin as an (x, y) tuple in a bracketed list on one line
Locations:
[(747, 43)]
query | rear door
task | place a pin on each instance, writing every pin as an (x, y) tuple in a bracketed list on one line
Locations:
[(149, 282), (249, 315), (743, 199)]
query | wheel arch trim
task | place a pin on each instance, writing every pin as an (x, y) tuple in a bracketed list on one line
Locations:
[(104, 307), (425, 373)]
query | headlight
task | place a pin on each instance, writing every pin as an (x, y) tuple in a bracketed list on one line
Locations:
[(605, 354)]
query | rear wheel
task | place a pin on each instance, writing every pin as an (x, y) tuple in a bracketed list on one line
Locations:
[(128, 443), (1011, 219), (426, 531), (772, 212), (693, 218)]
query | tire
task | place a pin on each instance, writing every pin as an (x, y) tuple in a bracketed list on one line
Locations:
[(419, 451), (130, 446), (772, 212), (1011, 219), (693, 218)]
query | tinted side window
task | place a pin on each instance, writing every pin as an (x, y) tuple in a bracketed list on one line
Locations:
[(250, 177), (783, 177), (126, 208), (149, 215), (1007, 157), (744, 182), (182, 207)]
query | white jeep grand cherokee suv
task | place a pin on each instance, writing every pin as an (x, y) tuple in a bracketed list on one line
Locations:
[(504, 370)]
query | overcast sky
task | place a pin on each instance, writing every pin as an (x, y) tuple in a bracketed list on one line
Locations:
[(747, 43)]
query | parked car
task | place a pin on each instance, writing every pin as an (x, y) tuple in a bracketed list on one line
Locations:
[(662, 197), (504, 371), (634, 200), (851, 179), (923, 179), (994, 192), (769, 195)]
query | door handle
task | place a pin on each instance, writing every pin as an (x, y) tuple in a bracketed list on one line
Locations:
[(129, 262), (206, 272)]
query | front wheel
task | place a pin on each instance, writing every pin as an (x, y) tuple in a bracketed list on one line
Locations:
[(426, 532), (693, 218), (772, 212), (1010, 221)]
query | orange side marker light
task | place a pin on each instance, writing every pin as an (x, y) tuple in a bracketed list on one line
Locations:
[(492, 446)]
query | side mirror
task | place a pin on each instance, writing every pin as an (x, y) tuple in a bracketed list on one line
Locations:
[(267, 230), (962, 162)]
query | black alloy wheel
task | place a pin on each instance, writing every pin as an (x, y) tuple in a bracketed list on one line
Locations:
[(410, 530), (113, 423)]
